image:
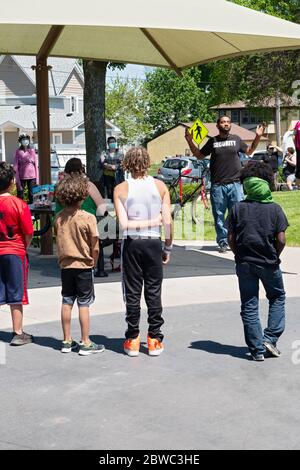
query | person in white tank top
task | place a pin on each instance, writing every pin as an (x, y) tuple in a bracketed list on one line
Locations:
[(142, 205)]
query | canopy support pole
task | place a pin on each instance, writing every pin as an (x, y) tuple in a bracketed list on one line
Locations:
[(43, 119)]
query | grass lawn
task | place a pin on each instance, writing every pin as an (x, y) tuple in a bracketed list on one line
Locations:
[(289, 201), (153, 169)]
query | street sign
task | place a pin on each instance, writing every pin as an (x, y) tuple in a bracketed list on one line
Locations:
[(198, 131)]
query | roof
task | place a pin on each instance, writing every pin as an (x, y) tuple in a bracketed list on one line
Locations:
[(287, 101), (26, 118), (243, 133), (59, 74)]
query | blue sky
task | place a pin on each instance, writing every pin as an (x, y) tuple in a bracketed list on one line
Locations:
[(131, 71)]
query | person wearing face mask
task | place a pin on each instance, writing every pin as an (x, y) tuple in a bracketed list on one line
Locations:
[(26, 167), (111, 161), (225, 167), (272, 157)]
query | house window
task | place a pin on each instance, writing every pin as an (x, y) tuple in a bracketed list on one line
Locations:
[(249, 117), (57, 139), (235, 116), (245, 116), (74, 104)]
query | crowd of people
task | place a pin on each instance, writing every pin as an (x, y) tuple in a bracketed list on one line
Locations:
[(254, 231)]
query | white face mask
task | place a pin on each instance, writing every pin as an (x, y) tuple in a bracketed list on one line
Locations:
[(25, 142)]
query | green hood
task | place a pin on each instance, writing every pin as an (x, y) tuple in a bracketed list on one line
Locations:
[(258, 190)]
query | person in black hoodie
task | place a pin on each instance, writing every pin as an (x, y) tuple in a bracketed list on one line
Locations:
[(256, 235)]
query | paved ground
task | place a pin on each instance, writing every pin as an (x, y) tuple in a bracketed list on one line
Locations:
[(202, 393)]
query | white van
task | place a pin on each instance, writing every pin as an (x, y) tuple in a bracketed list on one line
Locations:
[(59, 158)]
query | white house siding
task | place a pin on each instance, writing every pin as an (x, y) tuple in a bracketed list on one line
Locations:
[(80, 105), (13, 81), (11, 145), (79, 136), (67, 137), (74, 86)]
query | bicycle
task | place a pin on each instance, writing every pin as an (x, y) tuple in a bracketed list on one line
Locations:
[(198, 196)]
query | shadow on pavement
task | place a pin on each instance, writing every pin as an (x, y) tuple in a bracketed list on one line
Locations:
[(111, 344), (116, 344), (217, 348), (44, 271), (44, 341)]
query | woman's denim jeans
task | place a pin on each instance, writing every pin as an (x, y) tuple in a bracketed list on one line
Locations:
[(223, 197), (249, 276)]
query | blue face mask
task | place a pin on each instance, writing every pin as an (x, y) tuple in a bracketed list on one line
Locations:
[(112, 145), (25, 142)]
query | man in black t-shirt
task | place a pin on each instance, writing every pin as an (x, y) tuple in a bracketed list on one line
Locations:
[(272, 157), (225, 168), (256, 236)]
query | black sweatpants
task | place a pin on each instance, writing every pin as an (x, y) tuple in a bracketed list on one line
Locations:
[(142, 264), (109, 183), (30, 184)]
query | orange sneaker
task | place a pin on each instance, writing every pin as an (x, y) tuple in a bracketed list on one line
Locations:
[(132, 346), (155, 347)]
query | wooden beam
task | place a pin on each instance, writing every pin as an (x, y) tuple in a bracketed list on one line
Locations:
[(161, 51), (49, 42), (43, 120)]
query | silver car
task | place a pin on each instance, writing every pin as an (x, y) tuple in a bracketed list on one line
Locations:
[(191, 168)]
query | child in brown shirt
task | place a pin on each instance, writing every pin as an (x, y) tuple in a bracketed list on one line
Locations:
[(78, 250)]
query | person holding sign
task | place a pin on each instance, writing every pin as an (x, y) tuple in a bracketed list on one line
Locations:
[(225, 167)]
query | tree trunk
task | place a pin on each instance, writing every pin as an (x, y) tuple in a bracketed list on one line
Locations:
[(94, 115)]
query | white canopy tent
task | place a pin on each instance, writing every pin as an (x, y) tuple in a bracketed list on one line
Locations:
[(159, 33), (164, 33)]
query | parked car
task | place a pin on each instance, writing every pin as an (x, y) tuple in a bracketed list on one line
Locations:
[(191, 168), (244, 158), (56, 167), (259, 155)]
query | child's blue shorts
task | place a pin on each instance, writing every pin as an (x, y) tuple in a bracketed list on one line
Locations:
[(13, 280)]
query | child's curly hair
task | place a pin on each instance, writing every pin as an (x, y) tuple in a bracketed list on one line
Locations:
[(259, 170), (136, 161), (71, 190)]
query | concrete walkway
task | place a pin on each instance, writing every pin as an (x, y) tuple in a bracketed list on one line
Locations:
[(202, 393)]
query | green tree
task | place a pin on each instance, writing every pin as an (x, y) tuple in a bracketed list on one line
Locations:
[(126, 102), (173, 99), (257, 78), (281, 8)]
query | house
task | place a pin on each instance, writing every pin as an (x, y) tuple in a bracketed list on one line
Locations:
[(172, 142), (18, 103), (249, 118)]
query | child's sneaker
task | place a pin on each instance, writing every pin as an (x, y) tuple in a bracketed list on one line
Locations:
[(258, 357), (20, 340), (68, 346), (92, 348), (271, 348), (155, 347), (132, 347)]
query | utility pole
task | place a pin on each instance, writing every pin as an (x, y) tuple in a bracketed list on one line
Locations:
[(278, 119)]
